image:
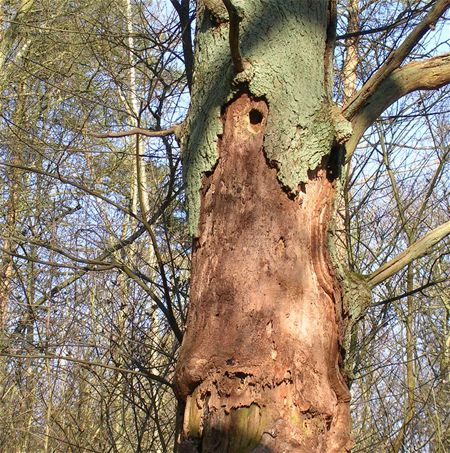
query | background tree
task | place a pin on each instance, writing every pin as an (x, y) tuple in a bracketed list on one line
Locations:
[(92, 313)]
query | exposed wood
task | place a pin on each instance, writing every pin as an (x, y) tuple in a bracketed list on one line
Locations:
[(260, 362)]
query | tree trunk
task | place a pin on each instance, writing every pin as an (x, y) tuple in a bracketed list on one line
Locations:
[(260, 364)]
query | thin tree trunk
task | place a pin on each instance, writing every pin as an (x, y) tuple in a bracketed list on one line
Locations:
[(349, 77), (409, 410), (344, 249), (15, 175)]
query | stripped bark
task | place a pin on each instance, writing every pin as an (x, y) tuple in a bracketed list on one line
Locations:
[(261, 363)]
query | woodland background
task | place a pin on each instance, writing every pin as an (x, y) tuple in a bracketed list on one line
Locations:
[(94, 257)]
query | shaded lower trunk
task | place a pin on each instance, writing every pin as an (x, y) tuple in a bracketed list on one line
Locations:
[(259, 367)]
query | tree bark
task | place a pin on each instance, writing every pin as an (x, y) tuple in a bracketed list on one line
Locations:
[(260, 364)]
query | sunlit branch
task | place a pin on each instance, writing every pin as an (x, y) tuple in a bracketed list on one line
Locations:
[(429, 74), (89, 364), (395, 59), (137, 130), (415, 251), (409, 293)]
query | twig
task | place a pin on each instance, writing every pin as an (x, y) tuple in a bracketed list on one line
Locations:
[(138, 130)]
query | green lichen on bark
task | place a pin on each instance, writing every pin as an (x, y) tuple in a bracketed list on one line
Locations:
[(286, 46), (212, 79), (283, 42)]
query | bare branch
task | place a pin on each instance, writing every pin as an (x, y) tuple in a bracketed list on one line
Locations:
[(167, 311), (400, 20), (76, 184), (89, 364), (105, 254), (395, 59), (234, 36), (408, 293), (429, 74), (137, 130), (182, 9), (416, 250)]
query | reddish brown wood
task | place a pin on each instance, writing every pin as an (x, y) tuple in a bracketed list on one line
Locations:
[(259, 364)]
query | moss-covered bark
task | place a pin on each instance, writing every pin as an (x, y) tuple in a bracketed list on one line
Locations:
[(286, 51)]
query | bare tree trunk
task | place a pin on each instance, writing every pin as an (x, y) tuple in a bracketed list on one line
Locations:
[(8, 246), (409, 406), (349, 77), (6, 265)]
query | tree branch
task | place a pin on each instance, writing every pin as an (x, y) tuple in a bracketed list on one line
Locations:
[(400, 20), (167, 311), (394, 60), (429, 74), (105, 254), (416, 250), (138, 130), (186, 39), (408, 293), (89, 364), (72, 183), (234, 36)]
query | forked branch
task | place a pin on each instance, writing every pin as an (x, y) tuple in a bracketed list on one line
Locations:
[(429, 74)]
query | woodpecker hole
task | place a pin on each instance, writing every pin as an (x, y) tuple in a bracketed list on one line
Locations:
[(255, 117)]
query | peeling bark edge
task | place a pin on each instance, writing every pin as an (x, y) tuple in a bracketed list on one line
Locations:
[(280, 71)]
